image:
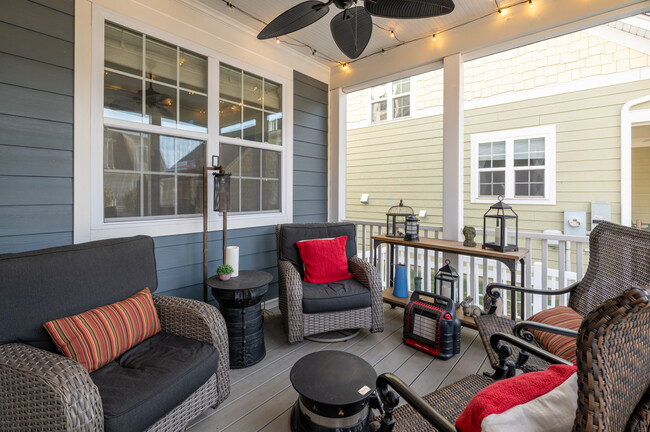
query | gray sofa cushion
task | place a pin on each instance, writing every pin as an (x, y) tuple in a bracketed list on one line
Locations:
[(292, 233), (152, 378), (47, 284), (334, 296)]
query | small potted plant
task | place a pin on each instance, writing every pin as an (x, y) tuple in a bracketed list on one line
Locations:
[(224, 271)]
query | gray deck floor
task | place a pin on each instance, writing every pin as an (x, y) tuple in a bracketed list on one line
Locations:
[(261, 396)]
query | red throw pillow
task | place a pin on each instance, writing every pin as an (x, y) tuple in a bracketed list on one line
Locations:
[(96, 337), (325, 259), (543, 401), (560, 316)]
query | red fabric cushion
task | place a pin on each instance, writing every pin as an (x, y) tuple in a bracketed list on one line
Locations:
[(560, 316), (325, 260), (532, 402), (96, 337)]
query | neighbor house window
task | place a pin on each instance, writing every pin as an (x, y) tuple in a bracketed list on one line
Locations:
[(391, 100), (250, 122), (155, 127), (518, 164)]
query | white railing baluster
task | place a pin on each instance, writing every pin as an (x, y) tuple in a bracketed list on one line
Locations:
[(561, 279), (528, 306), (425, 266), (544, 275), (579, 255), (363, 242)]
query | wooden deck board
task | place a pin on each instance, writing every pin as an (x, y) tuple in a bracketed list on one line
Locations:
[(261, 396)]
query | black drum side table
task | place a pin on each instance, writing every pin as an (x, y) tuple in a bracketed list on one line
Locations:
[(239, 302), (334, 390)]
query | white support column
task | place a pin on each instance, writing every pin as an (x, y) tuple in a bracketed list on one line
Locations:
[(336, 161), (452, 152)]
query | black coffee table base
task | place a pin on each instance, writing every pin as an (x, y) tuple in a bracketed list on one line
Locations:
[(305, 420), (245, 335), (335, 389)]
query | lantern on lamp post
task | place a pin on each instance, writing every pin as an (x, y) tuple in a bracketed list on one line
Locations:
[(446, 282), (396, 218), (411, 228), (500, 227)]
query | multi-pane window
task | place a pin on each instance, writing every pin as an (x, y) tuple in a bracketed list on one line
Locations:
[(250, 121), (529, 167), (492, 168), (518, 164), (155, 127), (391, 100)]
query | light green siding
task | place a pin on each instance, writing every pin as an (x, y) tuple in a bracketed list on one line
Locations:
[(403, 159)]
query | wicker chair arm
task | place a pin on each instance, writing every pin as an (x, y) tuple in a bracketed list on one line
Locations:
[(197, 320), (495, 294), (369, 277), (40, 390), (506, 368), (522, 330), (390, 401), (290, 299)]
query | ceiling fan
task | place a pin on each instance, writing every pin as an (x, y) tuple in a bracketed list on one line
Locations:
[(352, 28)]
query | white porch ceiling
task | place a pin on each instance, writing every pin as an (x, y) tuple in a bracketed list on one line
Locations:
[(318, 35)]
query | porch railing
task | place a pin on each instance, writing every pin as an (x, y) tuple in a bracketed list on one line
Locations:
[(555, 261)]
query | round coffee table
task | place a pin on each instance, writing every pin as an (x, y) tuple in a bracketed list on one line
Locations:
[(334, 390), (239, 302)]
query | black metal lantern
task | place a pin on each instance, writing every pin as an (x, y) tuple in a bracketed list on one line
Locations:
[(221, 190), (500, 227), (411, 228), (447, 279), (396, 218)]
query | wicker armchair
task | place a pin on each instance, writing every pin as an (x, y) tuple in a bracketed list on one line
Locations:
[(41, 390), (613, 375), (299, 324), (619, 258)]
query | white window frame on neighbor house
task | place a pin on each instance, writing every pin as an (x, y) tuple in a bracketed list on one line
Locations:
[(509, 136), (181, 224), (390, 115)]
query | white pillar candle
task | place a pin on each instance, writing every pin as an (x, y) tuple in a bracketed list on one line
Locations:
[(232, 258)]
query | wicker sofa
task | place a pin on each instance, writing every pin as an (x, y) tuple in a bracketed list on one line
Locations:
[(160, 384)]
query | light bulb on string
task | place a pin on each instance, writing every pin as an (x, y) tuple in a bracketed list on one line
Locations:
[(433, 36), (277, 39), (392, 33), (530, 4)]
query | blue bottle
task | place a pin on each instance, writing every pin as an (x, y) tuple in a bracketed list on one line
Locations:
[(401, 286)]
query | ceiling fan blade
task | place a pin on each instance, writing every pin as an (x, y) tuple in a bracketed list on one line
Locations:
[(293, 19), (409, 8), (351, 30)]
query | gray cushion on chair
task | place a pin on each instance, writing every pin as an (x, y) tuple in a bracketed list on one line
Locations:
[(152, 378), (292, 233), (334, 296)]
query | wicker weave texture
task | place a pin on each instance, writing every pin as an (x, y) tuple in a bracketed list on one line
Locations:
[(197, 320), (619, 259), (298, 324), (613, 367), (40, 390), (449, 401), (613, 372)]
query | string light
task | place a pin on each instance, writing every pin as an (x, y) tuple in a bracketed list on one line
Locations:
[(345, 66)]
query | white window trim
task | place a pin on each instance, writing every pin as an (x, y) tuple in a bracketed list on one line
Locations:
[(99, 229), (548, 132), (389, 102)]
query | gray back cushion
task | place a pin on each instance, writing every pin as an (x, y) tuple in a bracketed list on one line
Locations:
[(47, 284), (292, 233)]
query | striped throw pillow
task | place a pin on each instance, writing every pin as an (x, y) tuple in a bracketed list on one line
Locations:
[(96, 337), (560, 316)]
